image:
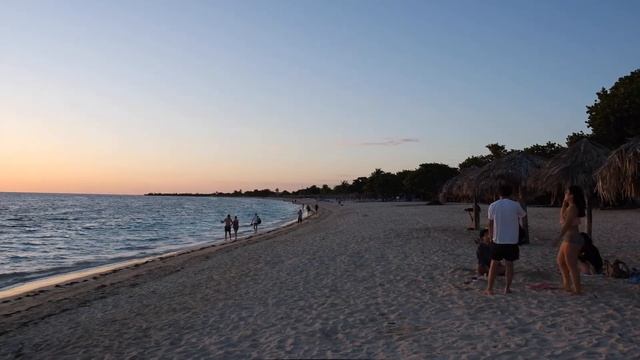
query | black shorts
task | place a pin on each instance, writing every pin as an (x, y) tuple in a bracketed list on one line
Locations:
[(509, 252), (227, 228)]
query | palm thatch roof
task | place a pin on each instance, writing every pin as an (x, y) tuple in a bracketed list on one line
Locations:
[(458, 186), (574, 166), (513, 169), (620, 174)]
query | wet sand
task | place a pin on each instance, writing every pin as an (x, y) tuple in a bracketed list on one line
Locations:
[(360, 281)]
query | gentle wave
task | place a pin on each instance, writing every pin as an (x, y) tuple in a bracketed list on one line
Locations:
[(48, 234)]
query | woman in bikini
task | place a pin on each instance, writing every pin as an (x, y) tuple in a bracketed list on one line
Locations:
[(573, 208)]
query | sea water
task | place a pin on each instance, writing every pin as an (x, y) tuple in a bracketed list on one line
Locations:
[(49, 234)]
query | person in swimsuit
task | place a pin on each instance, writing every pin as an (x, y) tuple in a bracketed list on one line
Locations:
[(573, 208), (227, 226), (236, 226)]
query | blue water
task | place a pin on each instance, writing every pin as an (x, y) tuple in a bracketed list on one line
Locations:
[(49, 234)]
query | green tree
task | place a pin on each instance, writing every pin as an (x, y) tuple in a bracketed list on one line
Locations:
[(577, 136), (357, 185), (426, 181), (496, 151), (548, 150), (615, 115), (342, 188), (475, 160), (383, 185)]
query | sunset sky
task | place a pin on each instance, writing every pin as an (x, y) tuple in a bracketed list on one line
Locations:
[(200, 96)]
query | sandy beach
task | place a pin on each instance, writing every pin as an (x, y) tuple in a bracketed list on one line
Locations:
[(365, 280)]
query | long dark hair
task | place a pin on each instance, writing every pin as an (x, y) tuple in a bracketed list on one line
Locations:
[(578, 199)]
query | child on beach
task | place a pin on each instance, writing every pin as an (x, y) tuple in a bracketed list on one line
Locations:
[(483, 253)]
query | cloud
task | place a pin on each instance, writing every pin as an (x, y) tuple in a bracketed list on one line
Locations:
[(389, 142)]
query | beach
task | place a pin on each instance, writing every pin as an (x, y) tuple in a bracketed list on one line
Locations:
[(363, 280)]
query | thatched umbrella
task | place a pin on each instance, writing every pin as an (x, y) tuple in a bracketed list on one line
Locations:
[(620, 174), (574, 166), (455, 187), (513, 169), (463, 186)]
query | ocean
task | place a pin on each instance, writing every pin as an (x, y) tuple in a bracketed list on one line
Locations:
[(49, 234)]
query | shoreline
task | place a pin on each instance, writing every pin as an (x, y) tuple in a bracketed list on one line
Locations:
[(81, 273), (367, 280)]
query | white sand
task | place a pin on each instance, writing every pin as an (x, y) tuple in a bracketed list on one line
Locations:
[(364, 280)]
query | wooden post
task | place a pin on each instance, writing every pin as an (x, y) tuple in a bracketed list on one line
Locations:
[(525, 220), (590, 198), (476, 213)]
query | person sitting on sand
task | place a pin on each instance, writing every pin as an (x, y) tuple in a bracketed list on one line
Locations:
[(483, 253), (573, 208), (227, 226), (589, 259), (504, 225), (236, 226)]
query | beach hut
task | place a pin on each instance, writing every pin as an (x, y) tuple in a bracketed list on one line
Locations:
[(455, 187), (462, 186), (513, 169), (619, 176), (576, 165)]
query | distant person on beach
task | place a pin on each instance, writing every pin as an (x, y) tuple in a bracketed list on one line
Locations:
[(308, 208), (227, 226), (573, 208), (504, 225), (236, 226), (316, 207), (483, 254), (299, 215), (255, 222)]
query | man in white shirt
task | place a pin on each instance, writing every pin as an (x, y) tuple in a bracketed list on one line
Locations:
[(504, 224)]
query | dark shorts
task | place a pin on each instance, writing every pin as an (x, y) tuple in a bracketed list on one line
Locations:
[(235, 228), (227, 228), (509, 252)]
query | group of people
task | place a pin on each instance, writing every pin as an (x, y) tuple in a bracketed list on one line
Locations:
[(500, 241), (308, 208), (235, 224)]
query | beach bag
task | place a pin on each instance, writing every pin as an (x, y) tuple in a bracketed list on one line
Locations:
[(618, 269), (590, 253), (259, 221)]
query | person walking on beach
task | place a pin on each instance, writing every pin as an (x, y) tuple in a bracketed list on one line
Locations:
[(227, 226), (299, 216), (504, 225), (236, 226), (255, 222), (316, 208), (573, 208)]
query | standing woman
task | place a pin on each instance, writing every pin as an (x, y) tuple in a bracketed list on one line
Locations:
[(573, 208)]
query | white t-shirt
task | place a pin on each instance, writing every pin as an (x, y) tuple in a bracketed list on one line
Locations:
[(506, 216)]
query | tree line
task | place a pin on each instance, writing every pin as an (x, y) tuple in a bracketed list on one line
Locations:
[(613, 118)]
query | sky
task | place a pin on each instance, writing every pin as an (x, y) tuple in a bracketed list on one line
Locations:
[(130, 97)]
